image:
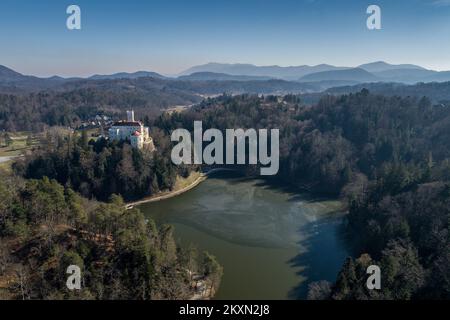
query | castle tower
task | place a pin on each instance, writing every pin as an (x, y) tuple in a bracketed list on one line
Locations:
[(130, 116)]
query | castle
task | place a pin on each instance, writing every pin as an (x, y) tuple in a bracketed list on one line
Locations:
[(133, 131)]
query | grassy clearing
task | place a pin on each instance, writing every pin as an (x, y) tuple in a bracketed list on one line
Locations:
[(6, 167), (18, 145)]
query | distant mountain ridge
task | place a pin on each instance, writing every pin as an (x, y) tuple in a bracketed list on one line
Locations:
[(313, 78), (285, 73), (380, 70), (127, 75), (380, 66), (12, 81), (7, 74), (213, 76), (356, 74)]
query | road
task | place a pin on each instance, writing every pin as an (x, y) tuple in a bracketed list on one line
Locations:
[(6, 159)]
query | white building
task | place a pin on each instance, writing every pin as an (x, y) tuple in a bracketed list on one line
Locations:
[(131, 130)]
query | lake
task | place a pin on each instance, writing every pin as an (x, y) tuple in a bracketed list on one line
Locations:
[(270, 242)]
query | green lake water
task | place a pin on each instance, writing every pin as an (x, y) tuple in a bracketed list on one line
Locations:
[(271, 242)]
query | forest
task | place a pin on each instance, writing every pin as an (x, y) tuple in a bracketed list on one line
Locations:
[(438, 92), (386, 157), (101, 168), (46, 227), (70, 106), (71, 102)]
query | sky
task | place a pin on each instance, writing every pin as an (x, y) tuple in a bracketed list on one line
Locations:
[(169, 36)]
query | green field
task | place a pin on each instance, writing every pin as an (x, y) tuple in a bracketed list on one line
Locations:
[(18, 144)]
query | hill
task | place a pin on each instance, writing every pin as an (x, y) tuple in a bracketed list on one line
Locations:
[(13, 82), (439, 76), (380, 66), (383, 71), (126, 75), (9, 75), (286, 73), (437, 92), (357, 74), (213, 76), (406, 75)]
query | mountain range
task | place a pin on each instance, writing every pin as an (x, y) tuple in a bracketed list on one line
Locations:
[(379, 71), (277, 72), (126, 75), (313, 78)]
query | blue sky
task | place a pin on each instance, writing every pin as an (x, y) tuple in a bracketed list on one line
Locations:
[(168, 36)]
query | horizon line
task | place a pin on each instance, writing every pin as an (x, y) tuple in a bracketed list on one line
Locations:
[(182, 71)]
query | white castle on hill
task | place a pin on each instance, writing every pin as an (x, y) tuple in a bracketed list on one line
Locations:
[(131, 130)]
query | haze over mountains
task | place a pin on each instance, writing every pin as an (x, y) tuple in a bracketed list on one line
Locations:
[(126, 75), (355, 74), (285, 73), (213, 78), (376, 71)]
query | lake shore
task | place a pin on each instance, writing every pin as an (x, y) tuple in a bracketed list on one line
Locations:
[(198, 178), (168, 194)]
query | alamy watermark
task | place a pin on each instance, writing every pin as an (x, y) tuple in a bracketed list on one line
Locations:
[(374, 20), (74, 280), (374, 280), (73, 22), (257, 141)]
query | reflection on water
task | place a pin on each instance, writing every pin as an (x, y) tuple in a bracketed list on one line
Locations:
[(271, 243)]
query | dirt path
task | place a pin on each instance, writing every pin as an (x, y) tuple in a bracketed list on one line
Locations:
[(6, 159)]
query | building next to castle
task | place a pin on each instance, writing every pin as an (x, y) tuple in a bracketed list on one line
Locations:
[(133, 131)]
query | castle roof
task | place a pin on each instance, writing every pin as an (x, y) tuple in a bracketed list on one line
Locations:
[(127, 124)]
